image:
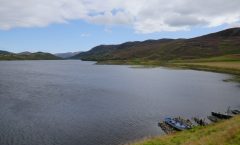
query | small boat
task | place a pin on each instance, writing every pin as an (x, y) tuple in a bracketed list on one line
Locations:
[(200, 121), (235, 112), (166, 128), (213, 119), (176, 124), (221, 116), (186, 122)]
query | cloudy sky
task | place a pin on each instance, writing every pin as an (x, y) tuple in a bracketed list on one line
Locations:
[(78, 25)]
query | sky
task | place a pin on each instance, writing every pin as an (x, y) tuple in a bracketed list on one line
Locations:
[(78, 25)]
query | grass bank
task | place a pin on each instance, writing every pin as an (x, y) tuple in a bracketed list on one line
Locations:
[(222, 133), (221, 67), (226, 64), (229, 64)]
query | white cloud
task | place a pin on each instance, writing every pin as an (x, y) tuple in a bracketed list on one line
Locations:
[(145, 16), (235, 25), (119, 18)]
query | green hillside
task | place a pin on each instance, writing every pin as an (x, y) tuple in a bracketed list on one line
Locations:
[(27, 56), (217, 44), (4, 52)]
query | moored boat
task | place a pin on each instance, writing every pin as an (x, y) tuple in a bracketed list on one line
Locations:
[(213, 119), (235, 112), (200, 121), (166, 128), (176, 124), (221, 115)]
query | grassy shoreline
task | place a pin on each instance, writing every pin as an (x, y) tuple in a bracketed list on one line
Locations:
[(226, 64), (223, 133), (232, 68)]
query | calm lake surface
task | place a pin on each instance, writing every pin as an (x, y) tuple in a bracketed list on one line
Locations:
[(79, 103)]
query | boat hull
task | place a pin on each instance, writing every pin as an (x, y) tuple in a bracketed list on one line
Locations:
[(221, 116), (175, 124)]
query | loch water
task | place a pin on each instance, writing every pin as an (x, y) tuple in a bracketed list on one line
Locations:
[(79, 103)]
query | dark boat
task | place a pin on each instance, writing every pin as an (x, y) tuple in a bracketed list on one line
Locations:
[(213, 119), (186, 122), (235, 112), (176, 124), (200, 121), (166, 128), (221, 116)]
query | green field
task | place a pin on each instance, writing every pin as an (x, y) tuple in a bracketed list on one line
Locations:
[(223, 133)]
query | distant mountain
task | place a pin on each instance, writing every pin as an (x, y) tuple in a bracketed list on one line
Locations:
[(215, 44), (27, 56), (2, 52), (25, 53), (103, 52), (41, 56), (67, 54)]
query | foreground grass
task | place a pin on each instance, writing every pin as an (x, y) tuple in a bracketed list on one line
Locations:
[(223, 133)]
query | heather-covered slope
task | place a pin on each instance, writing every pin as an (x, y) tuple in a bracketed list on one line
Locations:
[(211, 45)]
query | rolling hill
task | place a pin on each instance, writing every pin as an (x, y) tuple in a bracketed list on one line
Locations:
[(221, 43), (4, 55), (2, 52)]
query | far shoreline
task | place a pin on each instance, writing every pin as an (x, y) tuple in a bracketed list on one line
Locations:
[(217, 67)]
